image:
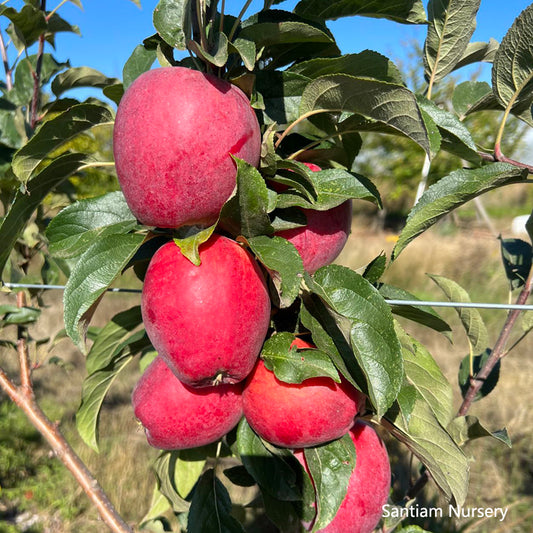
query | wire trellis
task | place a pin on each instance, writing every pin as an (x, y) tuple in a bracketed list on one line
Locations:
[(416, 303)]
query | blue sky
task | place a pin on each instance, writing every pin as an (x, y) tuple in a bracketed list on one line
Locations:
[(112, 28)]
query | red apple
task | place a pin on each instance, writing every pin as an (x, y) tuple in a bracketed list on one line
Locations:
[(174, 132), (369, 484), (177, 417), (323, 238), (207, 322), (299, 415)]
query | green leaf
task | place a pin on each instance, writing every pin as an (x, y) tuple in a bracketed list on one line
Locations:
[(516, 258), (23, 87), (18, 315), (370, 330), (246, 49), (293, 365), (434, 136), (172, 21), (80, 77), (387, 103), (246, 212), (451, 192), (112, 339), (512, 71), (55, 132), (479, 51), (327, 335), (239, 476), (210, 510), (477, 362), (406, 401), (25, 204), (282, 94), (95, 388), (422, 314), (190, 238), (286, 516), (491, 103), (218, 55), (283, 263), (412, 529), (424, 373), (165, 469), (331, 466), (114, 92), (80, 224), (26, 25), (139, 61), (57, 24), (189, 467), (290, 218), (456, 138), (158, 506), (112, 350), (435, 448), (270, 470), (332, 188), (466, 94), (376, 268), (466, 428), (277, 27), (470, 317), (367, 64), (404, 11), (90, 278), (451, 24)]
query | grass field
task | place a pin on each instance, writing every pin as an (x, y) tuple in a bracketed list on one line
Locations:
[(38, 495)]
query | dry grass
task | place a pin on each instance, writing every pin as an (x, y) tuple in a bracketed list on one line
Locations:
[(499, 476)]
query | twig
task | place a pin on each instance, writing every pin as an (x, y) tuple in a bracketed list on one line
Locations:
[(477, 381), (62, 449), (502, 158), (37, 77), (498, 351), (23, 396), (22, 350), (7, 69)]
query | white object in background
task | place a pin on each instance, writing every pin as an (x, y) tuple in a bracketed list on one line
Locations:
[(519, 224)]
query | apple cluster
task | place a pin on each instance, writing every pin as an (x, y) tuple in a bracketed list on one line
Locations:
[(175, 132)]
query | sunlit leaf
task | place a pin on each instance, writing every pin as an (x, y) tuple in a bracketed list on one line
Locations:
[(405, 11), (385, 102), (451, 24), (93, 274), (512, 72), (453, 191)]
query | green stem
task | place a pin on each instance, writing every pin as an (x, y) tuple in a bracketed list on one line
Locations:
[(201, 25), (317, 142), (297, 121), (238, 20), (97, 164), (7, 69), (222, 9), (55, 9)]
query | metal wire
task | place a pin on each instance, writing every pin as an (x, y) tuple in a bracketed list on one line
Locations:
[(60, 287), (417, 303)]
